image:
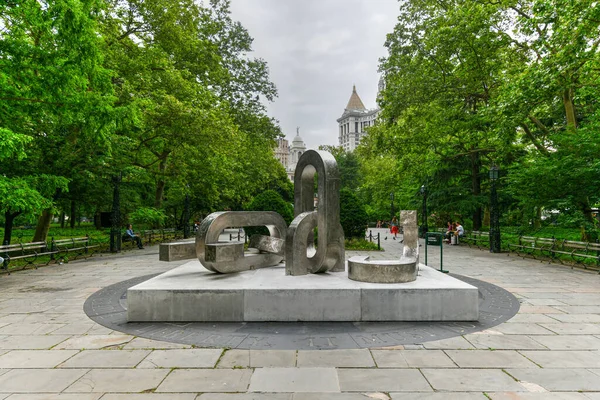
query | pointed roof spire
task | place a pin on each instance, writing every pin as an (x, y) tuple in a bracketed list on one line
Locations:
[(355, 103)]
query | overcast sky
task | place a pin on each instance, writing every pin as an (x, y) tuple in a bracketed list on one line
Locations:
[(316, 50)]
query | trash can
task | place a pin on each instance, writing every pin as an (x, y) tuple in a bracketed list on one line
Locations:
[(453, 239)]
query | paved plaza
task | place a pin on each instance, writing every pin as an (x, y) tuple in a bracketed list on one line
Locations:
[(50, 349)]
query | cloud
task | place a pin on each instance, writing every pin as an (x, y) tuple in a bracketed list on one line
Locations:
[(316, 51)]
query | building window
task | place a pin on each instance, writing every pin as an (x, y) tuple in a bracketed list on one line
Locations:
[(356, 127)]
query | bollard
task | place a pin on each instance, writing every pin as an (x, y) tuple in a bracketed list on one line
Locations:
[(378, 241)]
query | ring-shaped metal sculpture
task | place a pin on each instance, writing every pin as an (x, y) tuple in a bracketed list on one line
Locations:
[(404, 269), (329, 255), (228, 257)]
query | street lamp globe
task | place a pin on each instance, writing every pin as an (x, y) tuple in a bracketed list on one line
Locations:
[(494, 172)]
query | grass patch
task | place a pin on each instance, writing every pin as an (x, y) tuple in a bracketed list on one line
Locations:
[(360, 244)]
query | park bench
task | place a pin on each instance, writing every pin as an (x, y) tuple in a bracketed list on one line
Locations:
[(29, 252), (80, 246), (532, 246), (577, 251), (162, 235), (476, 238)]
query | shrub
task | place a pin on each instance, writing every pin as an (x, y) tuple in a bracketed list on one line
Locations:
[(269, 200), (353, 216)]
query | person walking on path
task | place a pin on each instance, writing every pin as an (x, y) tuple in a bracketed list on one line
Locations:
[(130, 235), (394, 227)]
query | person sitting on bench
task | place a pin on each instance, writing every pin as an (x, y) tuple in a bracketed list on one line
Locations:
[(130, 235)]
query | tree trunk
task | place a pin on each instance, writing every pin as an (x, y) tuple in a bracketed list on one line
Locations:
[(72, 216), (568, 95), (476, 182), (9, 218), (62, 219), (486, 217), (97, 220), (43, 226), (537, 220), (160, 185)]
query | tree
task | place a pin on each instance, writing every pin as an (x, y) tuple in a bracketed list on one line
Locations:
[(55, 99), (352, 214)]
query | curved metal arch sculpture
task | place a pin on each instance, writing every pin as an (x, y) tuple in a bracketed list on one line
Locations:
[(301, 257), (229, 257)]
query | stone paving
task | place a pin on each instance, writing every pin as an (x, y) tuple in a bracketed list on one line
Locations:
[(49, 349)]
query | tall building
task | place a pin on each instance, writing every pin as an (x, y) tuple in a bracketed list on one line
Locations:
[(355, 120), (289, 156), (298, 148), (282, 152)]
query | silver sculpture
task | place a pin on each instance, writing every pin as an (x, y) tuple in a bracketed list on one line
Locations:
[(405, 269), (228, 257), (301, 257)]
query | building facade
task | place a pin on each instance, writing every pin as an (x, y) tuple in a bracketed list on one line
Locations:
[(289, 156), (282, 152), (355, 120)]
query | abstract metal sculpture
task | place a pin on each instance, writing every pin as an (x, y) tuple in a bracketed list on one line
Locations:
[(228, 257), (301, 257), (405, 269)]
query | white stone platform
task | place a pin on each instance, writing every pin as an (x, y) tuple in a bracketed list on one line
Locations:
[(193, 294)]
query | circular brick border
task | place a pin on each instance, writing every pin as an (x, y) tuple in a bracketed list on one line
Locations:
[(108, 307)]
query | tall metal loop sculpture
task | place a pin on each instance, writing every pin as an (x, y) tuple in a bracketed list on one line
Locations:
[(301, 257)]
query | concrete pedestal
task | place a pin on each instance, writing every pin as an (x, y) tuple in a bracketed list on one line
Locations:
[(192, 293), (177, 251)]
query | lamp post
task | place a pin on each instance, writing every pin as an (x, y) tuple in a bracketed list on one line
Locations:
[(494, 211), (424, 227), (392, 205)]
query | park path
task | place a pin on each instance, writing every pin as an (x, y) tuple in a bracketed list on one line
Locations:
[(49, 348)]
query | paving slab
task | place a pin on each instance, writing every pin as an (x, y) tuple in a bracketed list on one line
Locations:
[(33, 342), (573, 328), (559, 379), (55, 396), (438, 396), (74, 329), (504, 342), (568, 342), (489, 359), (90, 342), (294, 380), (202, 380), (105, 359), (182, 358), (471, 380), (523, 329), (534, 318), (412, 359), (335, 358), (564, 359), (118, 380), (234, 358), (339, 396), (35, 358), (272, 358), (591, 318), (143, 343), (38, 380), (458, 342), (246, 396), (149, 396), (29, 329), (537, 396), (382, 380)]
